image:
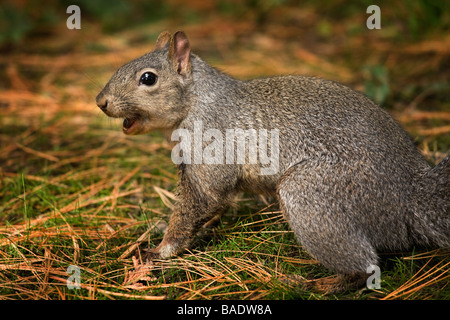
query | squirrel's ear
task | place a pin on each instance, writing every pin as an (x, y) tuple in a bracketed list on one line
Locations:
[(179, 53), (163, 40)]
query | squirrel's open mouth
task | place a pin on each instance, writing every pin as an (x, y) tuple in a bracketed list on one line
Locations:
[(130, 125)]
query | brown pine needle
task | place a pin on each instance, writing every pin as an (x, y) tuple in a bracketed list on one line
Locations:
[(419, 280), (136, 244), (94, 289), (117, 186), (434, 131), (37, 153), (165, 196)]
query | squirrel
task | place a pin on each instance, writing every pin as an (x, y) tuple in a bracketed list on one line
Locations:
[(350, 182)]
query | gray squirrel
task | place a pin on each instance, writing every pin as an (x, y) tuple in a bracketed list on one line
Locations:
[(349, 180)]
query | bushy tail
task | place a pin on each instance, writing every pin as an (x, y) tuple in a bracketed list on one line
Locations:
[(440, 176), (438, 203)]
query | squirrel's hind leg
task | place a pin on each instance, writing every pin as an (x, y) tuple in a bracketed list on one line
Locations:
[(314, 205)]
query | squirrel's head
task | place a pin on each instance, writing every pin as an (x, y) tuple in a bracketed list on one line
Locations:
[(148, 93)]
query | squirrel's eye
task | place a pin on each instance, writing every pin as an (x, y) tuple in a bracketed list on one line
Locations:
[(148, 78)]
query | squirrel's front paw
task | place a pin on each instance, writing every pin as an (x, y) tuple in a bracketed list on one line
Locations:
[(151, 254), (163, 251)]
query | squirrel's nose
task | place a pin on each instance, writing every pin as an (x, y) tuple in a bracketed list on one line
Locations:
[(102, 102)]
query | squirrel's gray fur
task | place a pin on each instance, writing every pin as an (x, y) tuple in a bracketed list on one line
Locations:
[(350, 182)]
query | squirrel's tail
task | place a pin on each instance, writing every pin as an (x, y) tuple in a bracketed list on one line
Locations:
[(440, 175), (437, 186)]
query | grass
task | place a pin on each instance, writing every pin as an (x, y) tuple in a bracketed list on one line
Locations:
[(75, 191), (104, 195)]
